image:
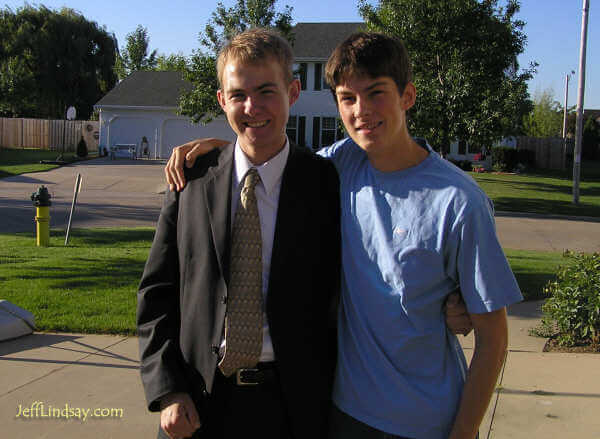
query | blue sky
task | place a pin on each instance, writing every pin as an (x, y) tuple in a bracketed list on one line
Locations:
[(553, 30)]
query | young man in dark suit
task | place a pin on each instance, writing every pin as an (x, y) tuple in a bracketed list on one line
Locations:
[(208, 377)]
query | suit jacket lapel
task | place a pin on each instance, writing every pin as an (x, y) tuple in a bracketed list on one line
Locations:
[(218, 203), (290, 215)]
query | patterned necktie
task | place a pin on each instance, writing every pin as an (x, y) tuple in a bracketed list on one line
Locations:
[(244, 321)]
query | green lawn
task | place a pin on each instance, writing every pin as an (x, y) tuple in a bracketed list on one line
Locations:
[(90, 286), (22, 161), (544, 192)]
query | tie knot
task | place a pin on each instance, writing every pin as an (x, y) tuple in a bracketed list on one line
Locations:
[(251, 179)]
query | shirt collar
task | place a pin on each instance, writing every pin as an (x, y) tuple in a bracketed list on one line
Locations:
[(270, 172)]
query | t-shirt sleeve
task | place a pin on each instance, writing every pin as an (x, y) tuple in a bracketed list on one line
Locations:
[(338, 153), (486, 280)]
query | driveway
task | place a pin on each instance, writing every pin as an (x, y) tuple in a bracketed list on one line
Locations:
[(114, 193), (128, 193)]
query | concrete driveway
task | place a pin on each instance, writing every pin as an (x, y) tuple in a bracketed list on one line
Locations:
[(114, 193), (127, 193)]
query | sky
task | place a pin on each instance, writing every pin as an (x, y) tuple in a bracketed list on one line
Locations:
[(553, 30)]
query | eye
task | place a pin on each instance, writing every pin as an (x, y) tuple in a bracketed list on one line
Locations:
[(237, 97)]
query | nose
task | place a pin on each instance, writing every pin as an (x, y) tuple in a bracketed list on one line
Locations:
[(250, 106), (361, 108)]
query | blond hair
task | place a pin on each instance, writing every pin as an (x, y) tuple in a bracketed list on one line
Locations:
[(254, 46)]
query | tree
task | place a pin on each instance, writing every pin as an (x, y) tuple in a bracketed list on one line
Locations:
[(464, 57), (50, 60), (135, 56), (546, 117), (201, 103), (173, 62)]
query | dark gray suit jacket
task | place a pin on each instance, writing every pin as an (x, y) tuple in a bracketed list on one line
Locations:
[(182, 294)]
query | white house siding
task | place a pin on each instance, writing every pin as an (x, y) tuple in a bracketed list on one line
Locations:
[(162, 127), (313, 103), (178, 131)]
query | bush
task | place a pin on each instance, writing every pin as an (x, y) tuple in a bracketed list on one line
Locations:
[(527, 157), (465, 165), (82, 150), (504, 159), (573, 307)]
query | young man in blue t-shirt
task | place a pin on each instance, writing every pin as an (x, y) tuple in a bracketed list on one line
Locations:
[(414, 227)]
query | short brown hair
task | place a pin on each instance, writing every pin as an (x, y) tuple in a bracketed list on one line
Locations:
[(370, 54), (255, 46)]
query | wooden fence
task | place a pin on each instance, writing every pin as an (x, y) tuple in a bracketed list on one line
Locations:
[(550, 152), (48, 134)]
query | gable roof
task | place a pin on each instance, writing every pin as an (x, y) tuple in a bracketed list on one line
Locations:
[(317, 40), (162, 89), (147, 89)]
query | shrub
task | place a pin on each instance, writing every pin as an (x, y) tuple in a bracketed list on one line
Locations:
[(573, 307), (82, 150), (465, 165), (527, 157), (503, 158)]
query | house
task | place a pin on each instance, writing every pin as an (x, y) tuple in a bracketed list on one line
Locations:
[(145, 103), (462, 150)]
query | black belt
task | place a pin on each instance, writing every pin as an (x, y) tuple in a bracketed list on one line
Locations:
[(261, 374)]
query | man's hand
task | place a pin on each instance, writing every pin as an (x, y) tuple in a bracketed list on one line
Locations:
[(178, 415), (457, 318), (188, 152)]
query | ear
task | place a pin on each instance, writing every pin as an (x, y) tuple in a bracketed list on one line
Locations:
[(294, 91), (409, 97), (221, 98)]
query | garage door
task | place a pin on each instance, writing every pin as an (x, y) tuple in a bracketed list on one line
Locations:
[(130, 130), (178, 131)]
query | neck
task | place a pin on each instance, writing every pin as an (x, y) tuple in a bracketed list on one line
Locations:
[(259, 154), (401, 154)]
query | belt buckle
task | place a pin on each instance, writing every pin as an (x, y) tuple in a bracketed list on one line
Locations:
[(238, 377)]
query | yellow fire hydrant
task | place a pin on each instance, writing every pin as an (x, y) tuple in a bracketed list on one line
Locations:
[(41, 200)]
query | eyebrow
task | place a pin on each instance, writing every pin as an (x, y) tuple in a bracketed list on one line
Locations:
[(259, 88), (369, 88)]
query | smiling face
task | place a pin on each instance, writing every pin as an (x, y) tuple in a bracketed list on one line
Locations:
[(374, 112), (256, 100)]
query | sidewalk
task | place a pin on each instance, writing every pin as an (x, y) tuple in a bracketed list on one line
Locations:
[(540, 395)]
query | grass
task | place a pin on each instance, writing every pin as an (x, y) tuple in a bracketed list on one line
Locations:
[(90, 286), (22, 161), (544, 191), (533, 269)]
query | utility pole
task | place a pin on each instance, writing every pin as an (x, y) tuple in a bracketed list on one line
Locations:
[(564, 132), (567, 77), (580, 95)]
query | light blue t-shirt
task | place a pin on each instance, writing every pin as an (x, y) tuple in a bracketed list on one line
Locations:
[(409, 238)]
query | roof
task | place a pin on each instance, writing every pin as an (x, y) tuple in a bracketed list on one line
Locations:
[(317, 40), (147, 89), (162, 89)]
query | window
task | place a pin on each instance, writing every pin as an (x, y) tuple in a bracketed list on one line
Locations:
[(326, 130), (462, 147), (318, 76), (300, 73), (295, 130)]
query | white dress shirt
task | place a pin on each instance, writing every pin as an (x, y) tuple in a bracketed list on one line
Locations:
[(267, 199)]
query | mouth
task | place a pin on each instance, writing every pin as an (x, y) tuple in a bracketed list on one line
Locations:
[(368, 127), (256, 124)]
